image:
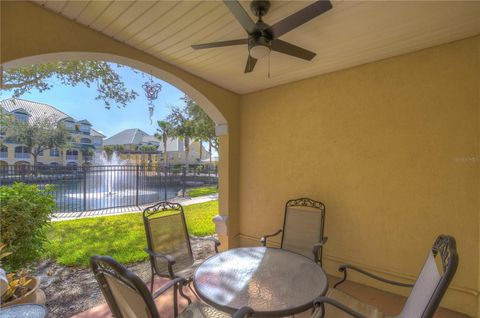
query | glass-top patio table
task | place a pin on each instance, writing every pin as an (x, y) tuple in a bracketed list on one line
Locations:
[(272, 281)]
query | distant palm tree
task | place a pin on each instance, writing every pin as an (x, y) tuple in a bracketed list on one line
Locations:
[(164, 131)]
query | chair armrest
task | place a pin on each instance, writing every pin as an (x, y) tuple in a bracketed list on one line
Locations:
[(177, 281), (170, 260), (317, 247), (243, 312), (264, 238), (320, 301), (343, 268), (215, 241)]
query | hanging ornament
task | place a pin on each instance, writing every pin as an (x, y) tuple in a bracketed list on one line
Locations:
[(151, 92)]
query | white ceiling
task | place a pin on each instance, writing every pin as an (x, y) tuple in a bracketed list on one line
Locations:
[(352, 33)]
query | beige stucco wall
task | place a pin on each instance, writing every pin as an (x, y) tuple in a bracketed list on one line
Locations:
[(391, 148)]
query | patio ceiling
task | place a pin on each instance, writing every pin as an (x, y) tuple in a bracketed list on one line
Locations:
[(350, 34)]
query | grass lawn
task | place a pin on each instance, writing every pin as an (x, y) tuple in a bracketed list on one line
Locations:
[(196, 192), (120, 236)]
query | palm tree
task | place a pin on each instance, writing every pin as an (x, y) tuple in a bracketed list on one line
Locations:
[(164, 131)]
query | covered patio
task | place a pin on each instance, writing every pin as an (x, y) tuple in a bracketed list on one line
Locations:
[(382, 126)]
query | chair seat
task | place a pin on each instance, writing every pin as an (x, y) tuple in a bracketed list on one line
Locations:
[(351, 302), (201, 310), (188, 272)]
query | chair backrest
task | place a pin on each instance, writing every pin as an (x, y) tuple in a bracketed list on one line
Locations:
[(125, 293), (433, 281), (167, 233), (303, 225)]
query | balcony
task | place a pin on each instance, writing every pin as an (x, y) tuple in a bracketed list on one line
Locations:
[(22, 155)]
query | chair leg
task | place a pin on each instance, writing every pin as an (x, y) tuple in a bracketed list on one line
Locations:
[(175, 302), (183, 294), (151, 281)]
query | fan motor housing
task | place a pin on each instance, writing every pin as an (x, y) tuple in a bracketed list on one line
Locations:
[(260, 7)]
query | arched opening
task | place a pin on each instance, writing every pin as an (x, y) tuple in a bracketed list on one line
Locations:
[(21, 152), (22, 167), (212, 111), (72, 155), (194, 91)]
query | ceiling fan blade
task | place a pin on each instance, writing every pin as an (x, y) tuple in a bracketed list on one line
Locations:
[(241, 15), (290, 49), (300, 17), (219, 44), (250, 64)]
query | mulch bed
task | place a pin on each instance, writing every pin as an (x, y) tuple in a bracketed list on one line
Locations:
[(71, 290)]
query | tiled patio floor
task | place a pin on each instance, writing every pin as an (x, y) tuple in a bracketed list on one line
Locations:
[(389, 303)]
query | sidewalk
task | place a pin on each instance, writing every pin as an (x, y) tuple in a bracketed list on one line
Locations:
[(62, 216)]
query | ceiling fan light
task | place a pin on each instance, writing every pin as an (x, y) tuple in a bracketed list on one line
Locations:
[(259, 51)]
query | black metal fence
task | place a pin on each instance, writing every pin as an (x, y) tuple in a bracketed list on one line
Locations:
[(103, 187)]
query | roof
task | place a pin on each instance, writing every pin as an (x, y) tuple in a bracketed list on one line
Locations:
[(136, 136), (41, 110), (35, 109), (96, 133), (133, 136)]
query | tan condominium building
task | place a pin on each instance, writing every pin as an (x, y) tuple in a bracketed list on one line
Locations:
[(82, 133)]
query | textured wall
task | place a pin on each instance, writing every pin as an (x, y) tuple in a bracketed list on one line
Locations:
[(391, 148)]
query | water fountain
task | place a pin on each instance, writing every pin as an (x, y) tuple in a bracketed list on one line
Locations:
[(115, 164)]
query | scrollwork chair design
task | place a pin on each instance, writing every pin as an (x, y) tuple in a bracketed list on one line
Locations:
[(303, 228), (168, 242), (424, 299)]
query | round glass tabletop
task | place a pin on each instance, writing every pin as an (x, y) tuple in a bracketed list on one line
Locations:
[(24, 311), (272, 281)]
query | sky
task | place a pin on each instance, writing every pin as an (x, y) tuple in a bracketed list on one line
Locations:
[(79, 102)]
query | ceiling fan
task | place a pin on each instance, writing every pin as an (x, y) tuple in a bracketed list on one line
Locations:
[(263, 38)]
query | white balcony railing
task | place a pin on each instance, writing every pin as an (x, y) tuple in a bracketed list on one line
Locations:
[(3, 155), (72, 157), (22, 155)]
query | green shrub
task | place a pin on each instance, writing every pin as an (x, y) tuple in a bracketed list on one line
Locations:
[(25, 213)]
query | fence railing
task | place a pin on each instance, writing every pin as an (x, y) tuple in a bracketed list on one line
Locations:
[(103, 187)]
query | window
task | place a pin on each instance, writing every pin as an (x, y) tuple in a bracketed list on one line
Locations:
[(21, 116), (85, 141), (54, 164), (54, 152), (70, 125), (172, 157), (179, 156), (40, 153), (3, 151)]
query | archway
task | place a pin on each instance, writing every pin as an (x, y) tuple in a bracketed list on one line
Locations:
[(221, 124), (212, 111)]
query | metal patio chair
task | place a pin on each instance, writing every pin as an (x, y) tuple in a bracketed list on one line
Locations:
[(128, 297), (168, 242), (303, 228), (432, 283)]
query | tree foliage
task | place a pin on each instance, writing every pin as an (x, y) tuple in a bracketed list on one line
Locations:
[(148, 149), (38, 135), (110, 87), (183, 127), (164, 131)]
